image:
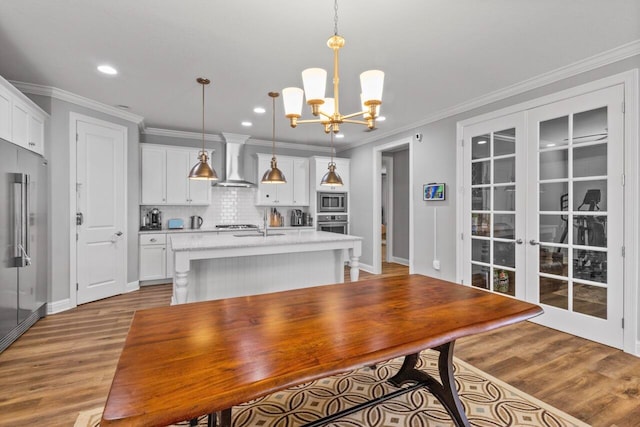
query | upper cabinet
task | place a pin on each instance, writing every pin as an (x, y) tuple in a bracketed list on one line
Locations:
[(21, 121), (319, 167), (164, 176), (295, 192)]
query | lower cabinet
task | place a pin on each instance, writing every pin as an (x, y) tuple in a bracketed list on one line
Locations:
[(153, 256)]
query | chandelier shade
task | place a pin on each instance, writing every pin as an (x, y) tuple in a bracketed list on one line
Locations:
[(202, 170), (314, 81)]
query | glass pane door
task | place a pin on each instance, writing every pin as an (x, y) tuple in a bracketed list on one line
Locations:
[(494, 206), (576, 232)]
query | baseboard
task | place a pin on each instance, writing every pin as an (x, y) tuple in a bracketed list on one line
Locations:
[(59, 306), (366, 267), (399, 260), (637, 349), (132, 286)]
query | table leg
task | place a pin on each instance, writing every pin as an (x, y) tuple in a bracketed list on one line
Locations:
[(445, 390)]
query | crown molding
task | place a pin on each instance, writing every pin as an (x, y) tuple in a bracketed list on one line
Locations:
[(290, 145), (81, 101), (591, 63), (181, 134)]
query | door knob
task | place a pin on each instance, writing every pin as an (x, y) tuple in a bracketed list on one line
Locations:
[(533, 242), (119, 233), (519, 241)]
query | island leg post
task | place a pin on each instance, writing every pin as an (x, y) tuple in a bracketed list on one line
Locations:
[(356, 252), (180, 277)]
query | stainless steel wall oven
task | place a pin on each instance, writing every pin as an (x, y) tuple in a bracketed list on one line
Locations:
[(333, 223)]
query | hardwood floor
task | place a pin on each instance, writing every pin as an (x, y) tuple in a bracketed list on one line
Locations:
[(64, 364)]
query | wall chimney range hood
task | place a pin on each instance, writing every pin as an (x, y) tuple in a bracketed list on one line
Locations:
[(234, 172)]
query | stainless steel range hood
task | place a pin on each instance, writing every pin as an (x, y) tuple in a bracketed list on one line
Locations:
[(234, 156)]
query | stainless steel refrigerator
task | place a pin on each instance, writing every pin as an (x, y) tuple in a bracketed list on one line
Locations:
[(23, 241)]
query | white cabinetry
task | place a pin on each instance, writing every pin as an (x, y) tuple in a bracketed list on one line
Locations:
[(319, 167), (21, 121), (165, 181), (295, 192), (153, 256)]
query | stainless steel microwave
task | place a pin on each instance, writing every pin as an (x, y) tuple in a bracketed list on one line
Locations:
[(332, 202)]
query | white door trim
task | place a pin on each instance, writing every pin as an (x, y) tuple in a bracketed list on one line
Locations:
[(73, 119), (632, 185), (377, 188), (389, 255)]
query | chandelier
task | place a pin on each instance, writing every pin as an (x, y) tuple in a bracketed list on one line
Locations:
[(328, 109)]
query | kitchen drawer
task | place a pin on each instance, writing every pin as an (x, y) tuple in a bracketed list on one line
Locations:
[(153, 239)]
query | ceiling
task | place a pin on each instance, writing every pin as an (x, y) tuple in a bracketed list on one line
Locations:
[(435, 54)]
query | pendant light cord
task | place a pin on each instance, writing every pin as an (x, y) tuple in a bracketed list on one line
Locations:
[(273, 127), (335, 18), (203, 117)]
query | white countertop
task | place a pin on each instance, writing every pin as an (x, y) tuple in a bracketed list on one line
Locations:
[(203, 241), (215, 230)]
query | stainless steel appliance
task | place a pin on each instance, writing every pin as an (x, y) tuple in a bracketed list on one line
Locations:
[(23, 239), (332, 202), (296, 218), (196, 222), (155, 221), (237, 227), (333, 223)]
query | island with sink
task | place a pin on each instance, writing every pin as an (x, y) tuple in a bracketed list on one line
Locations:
[(215, 266)]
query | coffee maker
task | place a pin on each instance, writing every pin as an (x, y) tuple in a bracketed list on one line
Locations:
[(296, 217), (155, 219)]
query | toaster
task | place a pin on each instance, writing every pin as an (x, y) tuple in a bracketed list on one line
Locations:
[(176, 224)]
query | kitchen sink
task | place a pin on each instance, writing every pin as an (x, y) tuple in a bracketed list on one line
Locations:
[(258, 235)]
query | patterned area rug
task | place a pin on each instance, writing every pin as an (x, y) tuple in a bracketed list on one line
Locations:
[(487, 402)]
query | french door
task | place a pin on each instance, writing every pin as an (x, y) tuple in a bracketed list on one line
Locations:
[(494, 205), (543, 211), (575, 235)]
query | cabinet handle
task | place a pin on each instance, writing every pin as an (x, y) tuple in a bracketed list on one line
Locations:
[(32, 144), (152, 240)]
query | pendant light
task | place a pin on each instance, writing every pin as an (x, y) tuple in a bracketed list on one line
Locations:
[(273, 175), (331, 178), (202, 170)]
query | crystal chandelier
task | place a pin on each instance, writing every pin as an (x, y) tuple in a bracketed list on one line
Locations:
[(327, 109)]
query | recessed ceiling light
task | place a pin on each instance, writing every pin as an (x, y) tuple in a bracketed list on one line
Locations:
[(381, 119), (340, 135), (107, 69), (482, 141), (259, 110), (247, 124)]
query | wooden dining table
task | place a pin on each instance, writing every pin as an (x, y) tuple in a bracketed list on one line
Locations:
[(184, 361)]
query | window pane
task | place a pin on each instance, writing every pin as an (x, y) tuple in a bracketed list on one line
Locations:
[(591, 300), (504, 254), (504, 170), (504, 142), (554, 292), (481, 199), (590, 195), (504, 226), (481, 224), (590, 230), (590, 126), (554, 132), (504, 281), (554, 261), (480, 147), (504, 198), (553, 228), (590, 265), (480, 250), (481, 173), (554, 196), (480, 276), (590, 160), (554, 164)]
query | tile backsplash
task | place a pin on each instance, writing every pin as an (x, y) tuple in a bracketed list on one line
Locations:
[(229, 205)]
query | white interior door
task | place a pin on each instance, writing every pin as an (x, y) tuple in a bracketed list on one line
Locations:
[(494, 205), (101, 194), (575, 232)]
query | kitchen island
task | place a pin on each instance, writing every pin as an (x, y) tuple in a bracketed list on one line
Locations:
[(209, 267)]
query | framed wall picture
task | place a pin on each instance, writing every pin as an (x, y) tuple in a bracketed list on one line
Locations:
[(433, 191)]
